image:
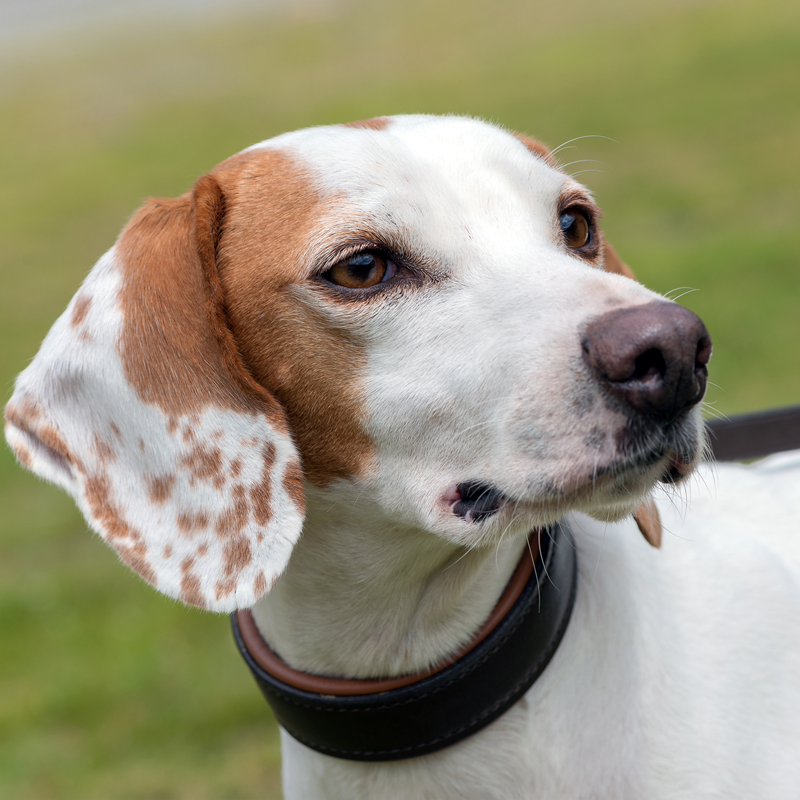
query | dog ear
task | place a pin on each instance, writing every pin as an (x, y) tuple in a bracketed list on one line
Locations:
[(139, 405), (613, 263), (649, 522)]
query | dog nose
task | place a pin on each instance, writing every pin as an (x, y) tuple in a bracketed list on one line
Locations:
[(651, 357)]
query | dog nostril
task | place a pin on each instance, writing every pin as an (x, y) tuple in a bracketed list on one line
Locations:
[(703, 353), (650, 364)]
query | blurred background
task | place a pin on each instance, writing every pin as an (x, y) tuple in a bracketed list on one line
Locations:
[(690, 116)]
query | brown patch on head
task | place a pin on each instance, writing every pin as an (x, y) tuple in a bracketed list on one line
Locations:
[(310, 364), (80, 309), (374, 124), (613, 263), (159, 489), (190, 585), (538, 149)]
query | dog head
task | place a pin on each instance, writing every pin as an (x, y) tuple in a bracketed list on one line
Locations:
[(419, 311)]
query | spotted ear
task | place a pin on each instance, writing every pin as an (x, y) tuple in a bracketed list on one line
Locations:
[(138, 405)]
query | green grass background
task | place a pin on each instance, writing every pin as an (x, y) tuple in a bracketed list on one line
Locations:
[(108, 690)]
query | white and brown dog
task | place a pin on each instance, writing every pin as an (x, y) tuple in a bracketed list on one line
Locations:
[(344, 377)]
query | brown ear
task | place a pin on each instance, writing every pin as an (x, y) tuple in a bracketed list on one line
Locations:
[(613, 263), (139, 406), (540, 150), (649, 522)]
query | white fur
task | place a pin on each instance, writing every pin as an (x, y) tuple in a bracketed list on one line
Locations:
[(679, 674)]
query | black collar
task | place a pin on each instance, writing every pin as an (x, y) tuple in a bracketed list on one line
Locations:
[(405, 717)]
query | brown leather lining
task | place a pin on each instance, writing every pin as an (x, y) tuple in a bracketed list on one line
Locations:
[(316, 684)]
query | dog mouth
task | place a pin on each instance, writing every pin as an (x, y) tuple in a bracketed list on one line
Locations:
[(476, 500)]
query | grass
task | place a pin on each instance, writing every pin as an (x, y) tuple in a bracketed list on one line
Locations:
[(108, 690)]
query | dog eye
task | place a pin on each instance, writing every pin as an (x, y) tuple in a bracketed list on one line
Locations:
[(361, 271), (576, 227)]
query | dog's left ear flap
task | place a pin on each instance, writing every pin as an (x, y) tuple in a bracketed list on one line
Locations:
[(139, 405), (649, 522), (613, 263), (541, 151)]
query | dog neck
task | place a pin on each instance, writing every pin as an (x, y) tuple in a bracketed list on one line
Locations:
[(365, 596)]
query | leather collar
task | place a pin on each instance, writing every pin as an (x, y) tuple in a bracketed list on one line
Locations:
[(395, 718)]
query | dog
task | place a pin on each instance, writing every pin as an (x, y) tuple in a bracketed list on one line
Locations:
[(342, 380)]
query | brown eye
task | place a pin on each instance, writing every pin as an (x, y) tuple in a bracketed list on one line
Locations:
[(360, 271), (575, 226)]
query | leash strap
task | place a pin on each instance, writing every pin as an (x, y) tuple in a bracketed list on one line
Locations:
[(446, 706), (755, 435)]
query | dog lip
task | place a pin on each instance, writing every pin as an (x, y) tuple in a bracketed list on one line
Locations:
[(474, 501), (677, 468)]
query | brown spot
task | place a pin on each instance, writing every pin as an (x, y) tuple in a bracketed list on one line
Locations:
[(538, 149), (24, 455), (613, 263), (235, 517), (293, 486), (123, 538), (80, 309), (116, 431), (106, 513), (23, 413), (236, 467), (159, 489), (202, 550), (141, 444), (172, 425), (168, 551), (187, 434), (374, 124), (260, 585), (217, 435), (238, 556), (286, 333), (135, 556), (204, 464), (189, 522), (103, 450), (261, 493), (25, 416), (190, 585)]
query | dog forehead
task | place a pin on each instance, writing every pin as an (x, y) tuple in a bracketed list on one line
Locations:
[(448, 172)]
